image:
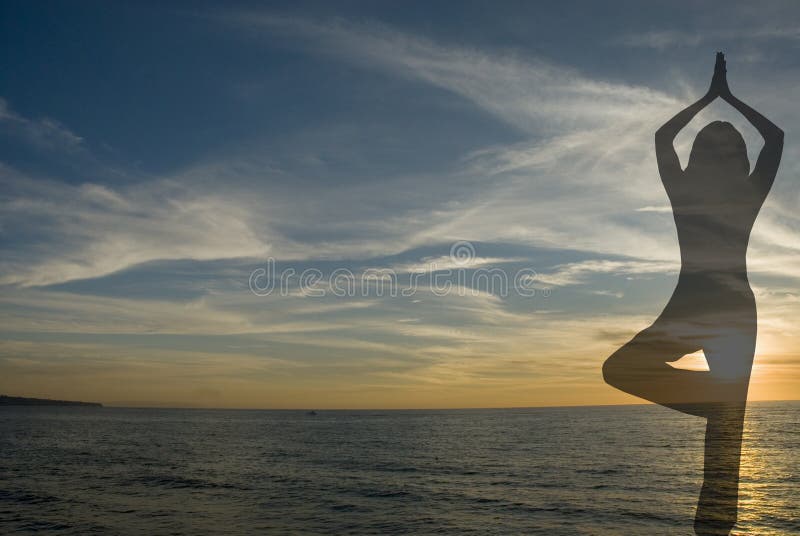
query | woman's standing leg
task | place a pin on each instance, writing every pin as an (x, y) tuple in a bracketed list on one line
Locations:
[(730, 359), (719, 497)]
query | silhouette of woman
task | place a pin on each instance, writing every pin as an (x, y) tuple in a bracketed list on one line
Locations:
[(715, 201)]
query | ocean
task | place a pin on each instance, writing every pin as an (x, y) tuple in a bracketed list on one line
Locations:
[(612, 470)]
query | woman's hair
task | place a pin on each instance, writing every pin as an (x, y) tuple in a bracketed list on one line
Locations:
[(719, 146)]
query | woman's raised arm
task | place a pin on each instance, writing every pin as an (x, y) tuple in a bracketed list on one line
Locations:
[(770, 157), (668, 162)]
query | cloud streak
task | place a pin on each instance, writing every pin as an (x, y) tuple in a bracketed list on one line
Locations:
[(91, 230), (44, 133)]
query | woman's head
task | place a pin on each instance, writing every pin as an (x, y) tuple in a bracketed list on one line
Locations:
[(719, 147)]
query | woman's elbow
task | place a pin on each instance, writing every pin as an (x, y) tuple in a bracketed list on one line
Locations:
[(664, 136)]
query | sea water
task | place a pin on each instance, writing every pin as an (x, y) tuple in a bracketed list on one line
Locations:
[(583, 470)]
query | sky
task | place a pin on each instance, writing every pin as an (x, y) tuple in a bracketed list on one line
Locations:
[(315, 204)]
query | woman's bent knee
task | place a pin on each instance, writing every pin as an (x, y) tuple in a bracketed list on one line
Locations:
[(616, 371)]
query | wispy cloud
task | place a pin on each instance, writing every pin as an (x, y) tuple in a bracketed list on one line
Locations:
[(91, 230), (579, 272), (44, 132), (664, 209), (531, 93), (582, 132), (663, 39)]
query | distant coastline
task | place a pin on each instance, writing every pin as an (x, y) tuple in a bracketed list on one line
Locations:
[(24, 401)]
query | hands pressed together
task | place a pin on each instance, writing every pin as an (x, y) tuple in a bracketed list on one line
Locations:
[(719, 82)]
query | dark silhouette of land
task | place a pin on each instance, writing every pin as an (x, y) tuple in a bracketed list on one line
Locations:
[(23, 401), (715, 202)]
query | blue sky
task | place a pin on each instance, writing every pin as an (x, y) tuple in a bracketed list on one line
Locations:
[(153, 155)]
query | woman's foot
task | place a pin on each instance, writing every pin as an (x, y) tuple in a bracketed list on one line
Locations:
[(716, 509)]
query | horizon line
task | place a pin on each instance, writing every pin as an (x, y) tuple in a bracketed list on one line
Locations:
[(449, 408)]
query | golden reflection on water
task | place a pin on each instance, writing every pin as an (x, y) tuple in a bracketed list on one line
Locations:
[(767, 464)]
